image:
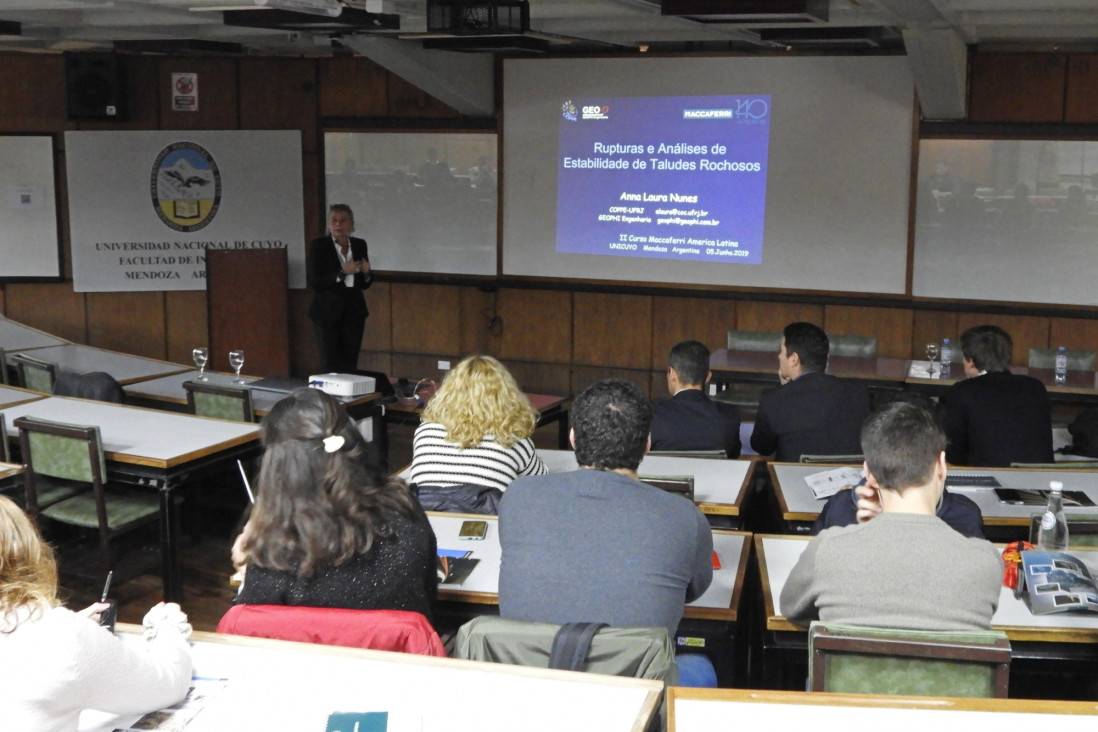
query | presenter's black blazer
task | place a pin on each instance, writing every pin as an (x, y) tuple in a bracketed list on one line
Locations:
[(330, 303)]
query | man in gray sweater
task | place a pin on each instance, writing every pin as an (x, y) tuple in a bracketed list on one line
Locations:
[(901, 566)]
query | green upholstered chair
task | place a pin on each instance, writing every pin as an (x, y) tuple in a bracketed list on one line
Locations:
[(835, 459), (1066, 465), (70, 457), (1082, 529), (1045, 358), (857, 660), (853, 345), (754, 340), (5, 449), (3, 367), (219, 401), (707, 454), (33, 373)]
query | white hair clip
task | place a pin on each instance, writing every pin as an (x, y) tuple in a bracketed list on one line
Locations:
[(333, 443)]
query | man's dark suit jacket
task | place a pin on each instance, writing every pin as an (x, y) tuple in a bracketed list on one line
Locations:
[(996, 419), (330, 302), (815, 414), (691, 421)]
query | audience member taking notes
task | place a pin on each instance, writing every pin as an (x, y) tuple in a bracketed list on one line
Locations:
[(811, 413), (57, 663), (993, 417), (904, 567), (689, 420), (329, 528)]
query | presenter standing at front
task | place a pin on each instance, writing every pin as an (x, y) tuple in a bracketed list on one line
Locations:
[(339, 268)]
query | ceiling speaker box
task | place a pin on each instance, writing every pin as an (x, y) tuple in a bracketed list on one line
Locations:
[(94, 86)]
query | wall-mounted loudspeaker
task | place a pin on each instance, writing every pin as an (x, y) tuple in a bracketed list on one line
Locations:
[(94, 86)]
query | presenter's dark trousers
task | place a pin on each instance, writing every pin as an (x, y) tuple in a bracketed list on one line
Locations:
[(340, 340)]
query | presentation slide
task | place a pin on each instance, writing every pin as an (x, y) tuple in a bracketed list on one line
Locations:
[(669, 178), (727, 171)]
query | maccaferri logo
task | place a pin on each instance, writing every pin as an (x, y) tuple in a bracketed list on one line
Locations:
[(185, 186), (568, 109)]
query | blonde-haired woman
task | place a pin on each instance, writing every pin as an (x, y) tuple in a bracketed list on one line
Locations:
[(476, 430), (57, 662)]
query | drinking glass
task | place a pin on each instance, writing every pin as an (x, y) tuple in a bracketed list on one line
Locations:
[(236, 360), (201, 356), (931, 354)]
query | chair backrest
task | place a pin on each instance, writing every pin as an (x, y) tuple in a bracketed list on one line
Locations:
[(857, 660), (219, 401), (59, 450), (836, 459), (3, 367), (679, 485), (1082, 529), (33, 373), (754, 340), (852, 345), (1065, 465), (97, 385), (5, 449), (1045, 358), (643, 653), (707, 454), (381, 630)]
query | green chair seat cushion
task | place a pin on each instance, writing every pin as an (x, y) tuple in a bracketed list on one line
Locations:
[(123, 509)]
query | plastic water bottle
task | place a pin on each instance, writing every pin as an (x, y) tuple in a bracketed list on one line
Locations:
[(1061, 366), (945, 357), (1053, 534)]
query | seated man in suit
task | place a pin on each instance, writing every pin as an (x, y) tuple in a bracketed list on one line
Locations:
[(596, 544), (994, 417), (689, 420), (905, 568), (811, 413)]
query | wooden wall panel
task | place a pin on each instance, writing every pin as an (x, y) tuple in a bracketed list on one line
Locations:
[(426, 319), (376, 361), (32, 97), (218, 107), (142, 107), (676, 319), (1081, 101), (316, 212), (612, 330), (304, 357), (891, 326), (542, 378), (379, 326), (352, 87), (584, 376), (52, 307), (931, 326), (406, 100), (132, 322), (1027, 331), (477, 309), (1073, 333), (536, 325), (280, 94), (1017, 87), (414, 366), (186, 324), (774, 316)]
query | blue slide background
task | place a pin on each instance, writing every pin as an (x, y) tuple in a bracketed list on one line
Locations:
[(593, 218)]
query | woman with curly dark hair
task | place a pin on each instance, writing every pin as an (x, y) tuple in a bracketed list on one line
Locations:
[(329, 528)]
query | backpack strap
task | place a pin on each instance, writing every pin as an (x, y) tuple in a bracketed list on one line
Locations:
[(570, 645)]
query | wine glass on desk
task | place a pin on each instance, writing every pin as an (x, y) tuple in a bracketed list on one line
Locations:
[(236, 360), (201, 356), (931, 354)]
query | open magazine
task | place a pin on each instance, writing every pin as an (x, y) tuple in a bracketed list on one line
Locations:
[(1056, 582)]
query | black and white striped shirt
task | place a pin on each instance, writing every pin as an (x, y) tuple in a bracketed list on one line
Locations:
[(437, 461)]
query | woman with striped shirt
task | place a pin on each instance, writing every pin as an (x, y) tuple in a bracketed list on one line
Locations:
[(476, 430)]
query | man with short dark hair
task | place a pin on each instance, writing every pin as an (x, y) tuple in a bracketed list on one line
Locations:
[(904, 568), (811, 413), (689, 420), (596, 544), (994, 418)]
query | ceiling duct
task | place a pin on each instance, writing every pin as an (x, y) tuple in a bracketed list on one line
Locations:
[(349, 22), (478, 17), (748, 11)]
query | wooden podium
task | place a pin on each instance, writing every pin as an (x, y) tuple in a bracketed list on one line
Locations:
[(247, 306)]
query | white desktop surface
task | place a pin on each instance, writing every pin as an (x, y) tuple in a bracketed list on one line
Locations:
[(146, 436), (731, 548), (780, 553), (274, 685), (16, 336), (84, 359), (798, 497), (12, 395)]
